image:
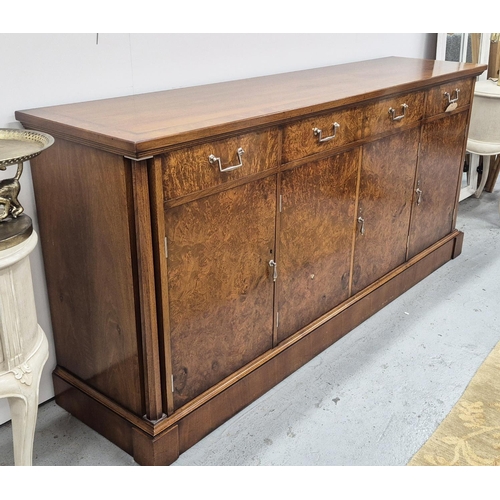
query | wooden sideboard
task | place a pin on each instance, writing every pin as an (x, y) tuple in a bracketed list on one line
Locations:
[(201, 244)]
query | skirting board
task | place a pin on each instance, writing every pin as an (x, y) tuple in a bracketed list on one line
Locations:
[(161, 442)]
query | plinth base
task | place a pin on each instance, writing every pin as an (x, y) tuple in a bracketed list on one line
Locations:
[(161, 442)]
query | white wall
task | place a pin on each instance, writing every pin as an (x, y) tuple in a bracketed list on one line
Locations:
[(48, 69)]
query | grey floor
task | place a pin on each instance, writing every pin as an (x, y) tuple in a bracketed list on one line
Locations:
[(373, 398)]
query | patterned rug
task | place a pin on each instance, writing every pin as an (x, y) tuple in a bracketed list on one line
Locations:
[(470, 434)]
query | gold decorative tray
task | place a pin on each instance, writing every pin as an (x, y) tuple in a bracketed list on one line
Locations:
[(18, 145)]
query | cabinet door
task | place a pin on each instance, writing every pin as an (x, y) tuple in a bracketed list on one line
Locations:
[(385, 196), (220, 285), (439, 174), (316, 229)]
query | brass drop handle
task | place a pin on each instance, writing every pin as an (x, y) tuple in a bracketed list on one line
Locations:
[(317, 132), (392, 113), (275, 271), (214, 159), (450, 100), (362, 228)]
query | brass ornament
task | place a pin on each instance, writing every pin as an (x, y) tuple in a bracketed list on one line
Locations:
[(16, 147)]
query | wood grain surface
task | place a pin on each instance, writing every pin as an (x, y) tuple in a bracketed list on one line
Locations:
[(193, 425), (150, 351), (385, 196), (437, 102), (378, 120), (166, 316), (299, 140), (188, 170), (147, 123), (439, 173), (220, 284), (86, 226), (315, 239)]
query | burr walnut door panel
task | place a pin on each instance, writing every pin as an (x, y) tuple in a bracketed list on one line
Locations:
[(439, 173), (221, 287), (316, 228), (385, 196)]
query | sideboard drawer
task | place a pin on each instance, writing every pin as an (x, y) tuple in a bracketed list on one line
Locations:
[(321, 133), (456, 93), (393, 113), (213, 163)]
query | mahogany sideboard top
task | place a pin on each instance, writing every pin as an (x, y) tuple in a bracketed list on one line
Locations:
[(208, 241), (146, 124)]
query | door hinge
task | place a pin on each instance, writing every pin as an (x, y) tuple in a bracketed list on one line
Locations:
[(281, 203), (172, 382), (277, 319), (166, 248)]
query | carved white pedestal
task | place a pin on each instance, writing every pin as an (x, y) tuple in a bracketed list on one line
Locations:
[(23, 346)]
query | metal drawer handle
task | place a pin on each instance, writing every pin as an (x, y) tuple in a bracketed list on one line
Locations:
[(392, 113), (362, 228), (317, 132), (214, 159), (450, 100)]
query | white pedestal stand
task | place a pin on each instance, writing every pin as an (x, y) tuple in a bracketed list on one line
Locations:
[(23, 346)]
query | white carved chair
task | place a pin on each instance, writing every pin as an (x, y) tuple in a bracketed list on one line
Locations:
[(23, 346), (484, 131)]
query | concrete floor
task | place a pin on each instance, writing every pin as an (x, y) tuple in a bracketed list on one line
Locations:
[(373, 398)]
